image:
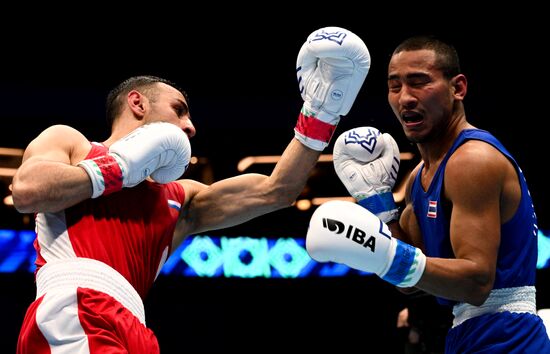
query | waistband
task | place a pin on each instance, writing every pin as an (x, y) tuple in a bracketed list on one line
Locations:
[(92, 274), (519, 299)]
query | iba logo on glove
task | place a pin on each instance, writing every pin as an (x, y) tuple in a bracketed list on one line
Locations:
[(353, 233)]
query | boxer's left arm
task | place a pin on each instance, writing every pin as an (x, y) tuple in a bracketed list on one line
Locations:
[(47, 180), (238, 199), (331, 68)]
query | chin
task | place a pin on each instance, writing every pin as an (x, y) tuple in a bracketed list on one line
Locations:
[(413, 137)]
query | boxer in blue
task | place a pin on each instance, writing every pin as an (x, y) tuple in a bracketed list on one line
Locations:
[(468, 231)]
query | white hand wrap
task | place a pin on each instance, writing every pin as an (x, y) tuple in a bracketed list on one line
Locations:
[(160, 150), (367, 163), (346, 233), (331, 68)]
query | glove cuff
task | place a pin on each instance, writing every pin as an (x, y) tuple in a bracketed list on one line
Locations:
[(105, 174), (382, 205), (407, 266), (315, 130)]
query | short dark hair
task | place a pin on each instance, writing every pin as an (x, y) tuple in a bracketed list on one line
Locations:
[(447, 57), (144, 83)]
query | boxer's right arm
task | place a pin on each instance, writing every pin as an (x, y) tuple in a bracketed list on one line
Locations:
[(160, 150), (46, 181), (331, 68)]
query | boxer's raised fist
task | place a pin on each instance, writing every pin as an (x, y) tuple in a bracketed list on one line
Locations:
[(160, 150), (331, 67)]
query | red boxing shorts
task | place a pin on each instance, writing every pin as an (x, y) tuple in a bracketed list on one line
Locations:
[(85, 306)]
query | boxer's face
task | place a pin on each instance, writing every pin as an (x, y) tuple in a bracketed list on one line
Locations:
[(419, 94), (167, 104)]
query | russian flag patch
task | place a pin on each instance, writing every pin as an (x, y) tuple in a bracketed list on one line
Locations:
[(174, 204), (432, 209)]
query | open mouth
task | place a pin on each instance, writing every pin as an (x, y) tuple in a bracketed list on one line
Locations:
[(412, 117)]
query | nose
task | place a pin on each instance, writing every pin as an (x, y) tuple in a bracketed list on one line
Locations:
[(406, 99), (189, 128)]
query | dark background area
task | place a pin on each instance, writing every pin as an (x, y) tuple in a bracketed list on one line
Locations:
[(239, 71)]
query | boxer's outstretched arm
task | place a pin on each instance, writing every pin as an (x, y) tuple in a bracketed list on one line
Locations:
[(46, 181), (238, 199), (331, 67)]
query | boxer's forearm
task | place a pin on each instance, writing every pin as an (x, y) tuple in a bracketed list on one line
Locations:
[(292, 171), (238, 199)]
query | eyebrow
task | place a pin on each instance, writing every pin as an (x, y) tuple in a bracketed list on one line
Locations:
[(182, 103), (408, 76)]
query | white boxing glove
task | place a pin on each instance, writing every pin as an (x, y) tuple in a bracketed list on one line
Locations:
[(160, 150), (367, 163), (331, 68), (344, 232)]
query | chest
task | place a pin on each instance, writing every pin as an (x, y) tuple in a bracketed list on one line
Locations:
[(427, 175)]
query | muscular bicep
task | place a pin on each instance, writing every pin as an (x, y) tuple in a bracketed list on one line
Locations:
[(238, 199), (57, 143), (473, 185), (47, 180), (409, 228)]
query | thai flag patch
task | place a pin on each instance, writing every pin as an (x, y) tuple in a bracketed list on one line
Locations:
[(174, 204), (432, 209)]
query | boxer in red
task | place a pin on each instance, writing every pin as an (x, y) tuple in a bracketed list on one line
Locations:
[(106, 212)]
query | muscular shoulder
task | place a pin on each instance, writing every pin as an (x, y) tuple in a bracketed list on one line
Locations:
[(60, 135), (477, 167), (60, 139), (476, 158)]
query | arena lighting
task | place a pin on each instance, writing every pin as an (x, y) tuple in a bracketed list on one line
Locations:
[(248, 161), (204, 256), (303, 204), (8, 200), (11, 151), (10, 159), (229, 257), (319, 201), (398, 196), (306, 204), (7, 172)]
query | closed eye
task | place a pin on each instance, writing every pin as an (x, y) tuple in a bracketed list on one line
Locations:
[(181, 109)]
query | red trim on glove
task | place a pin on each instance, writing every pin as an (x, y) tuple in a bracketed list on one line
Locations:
[(112, 174), (314, 128)]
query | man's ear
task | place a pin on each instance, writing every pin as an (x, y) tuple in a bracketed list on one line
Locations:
[(136, 103), (460, 86)]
